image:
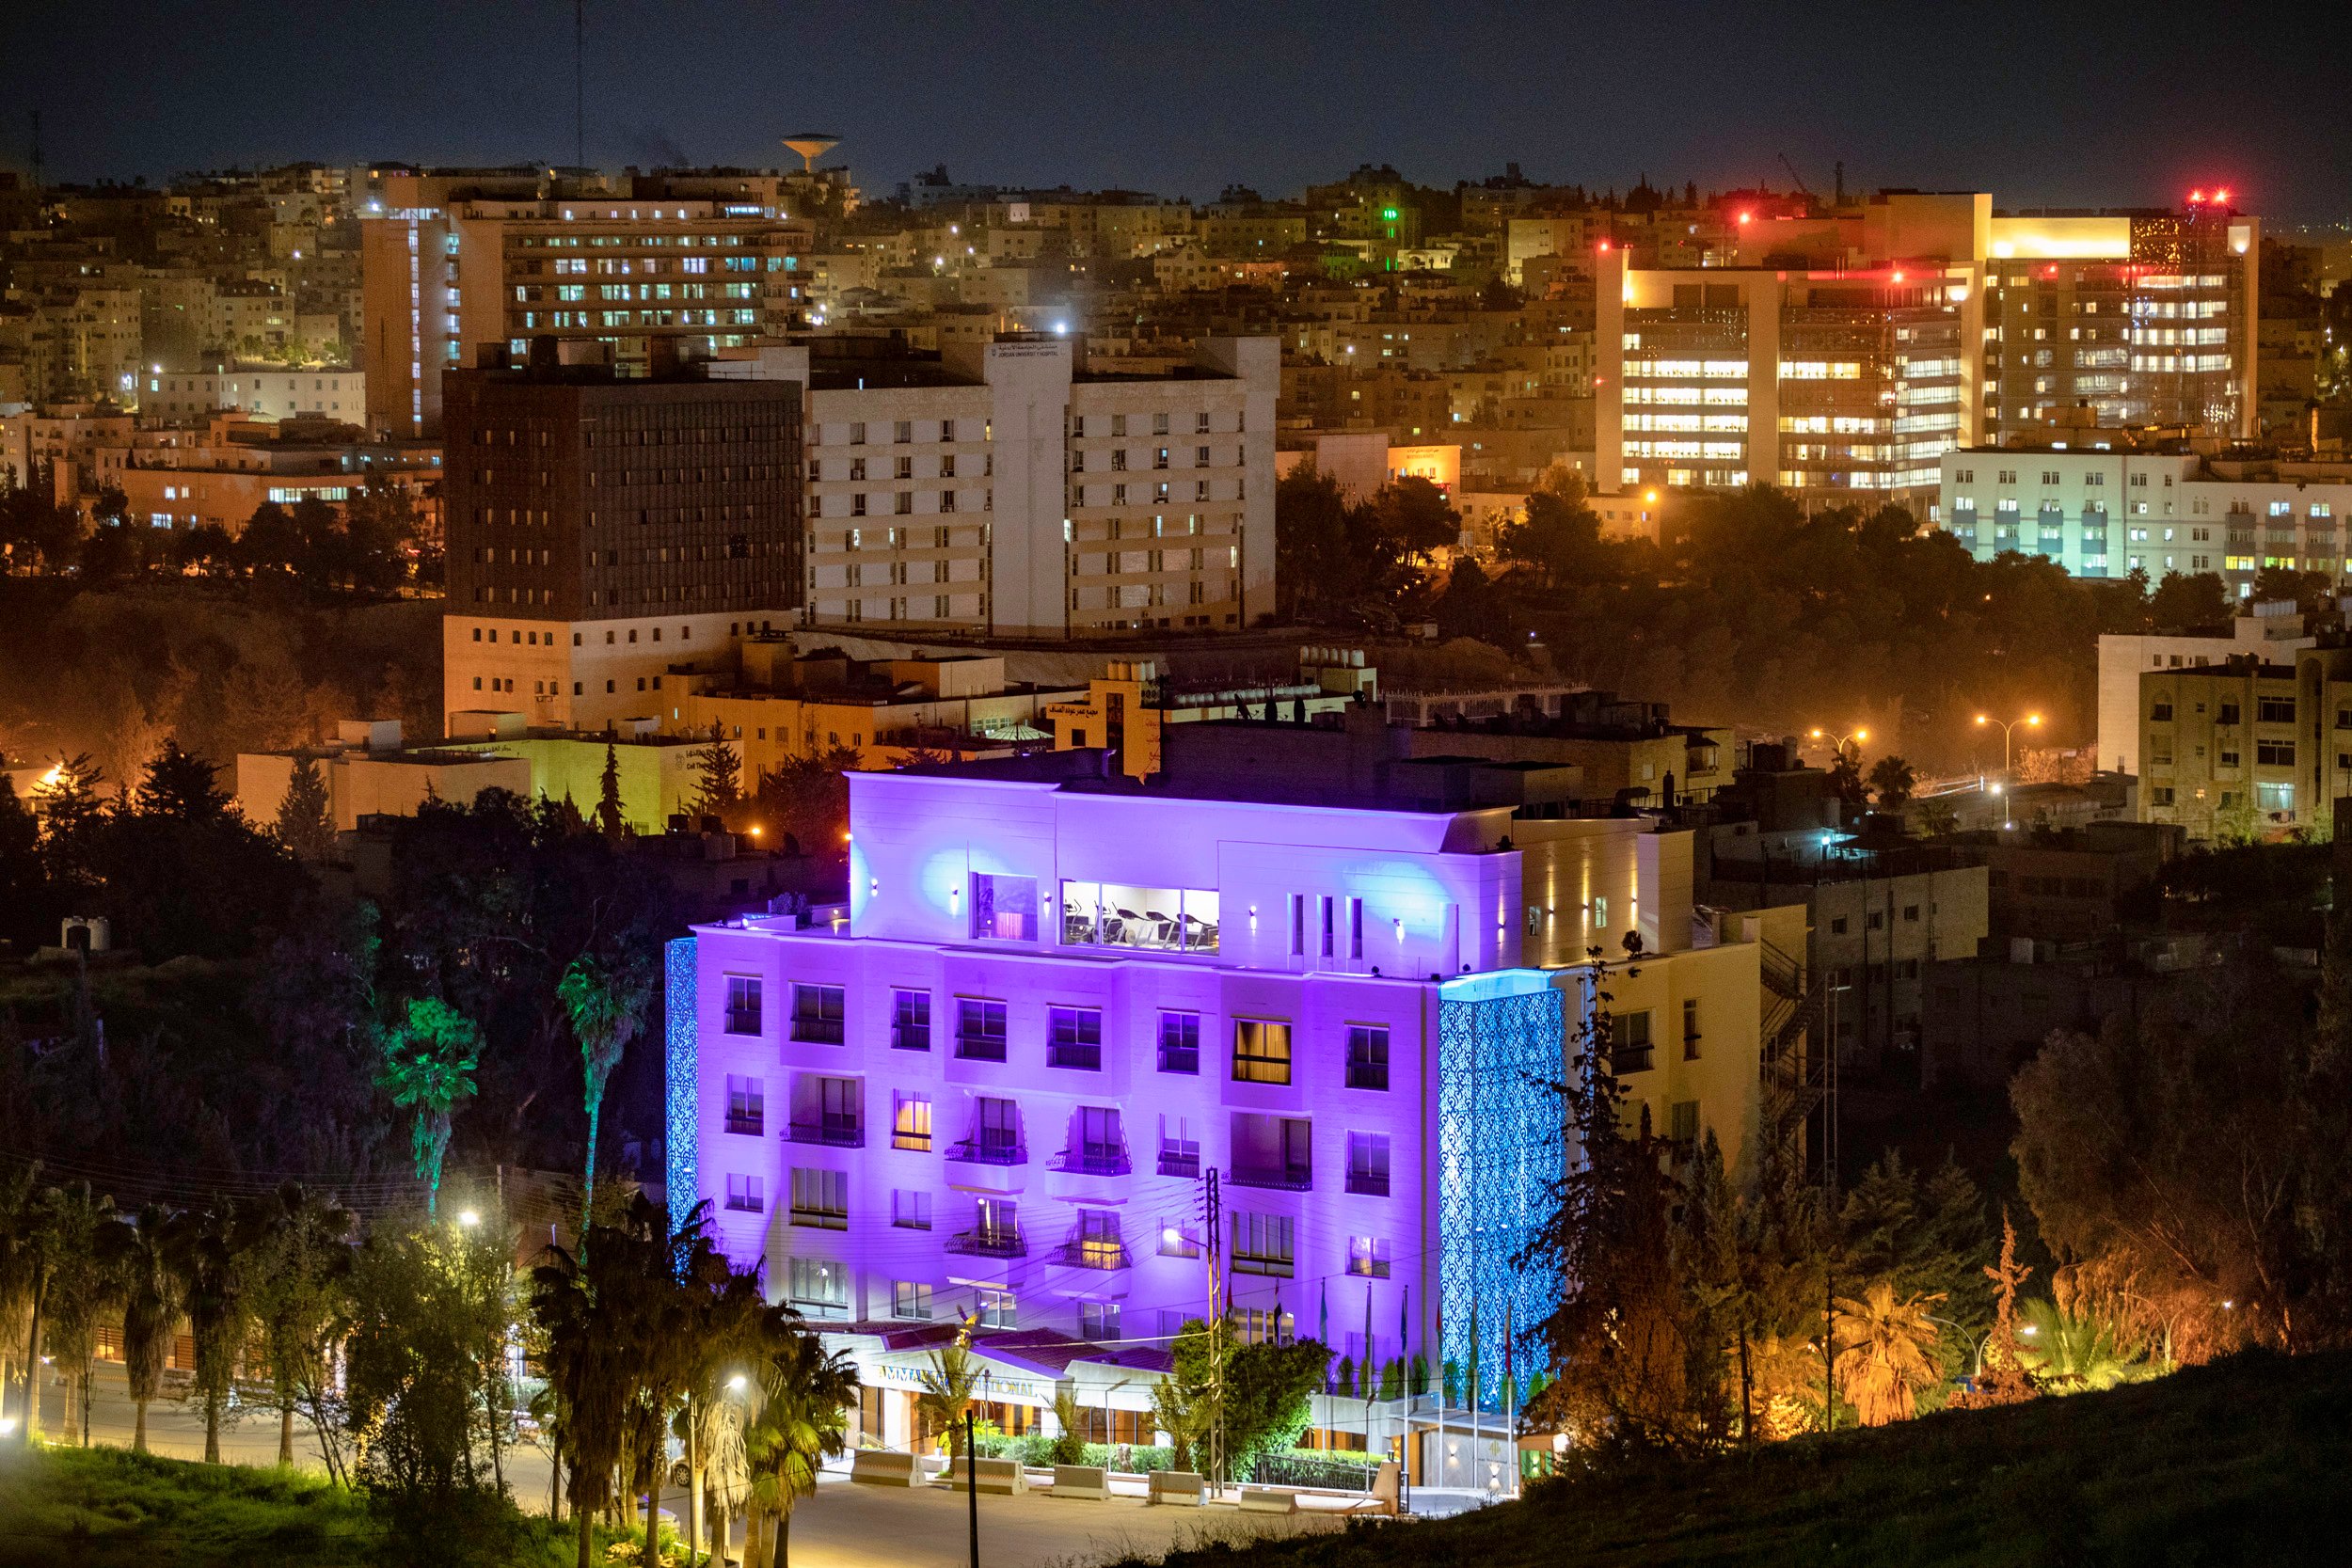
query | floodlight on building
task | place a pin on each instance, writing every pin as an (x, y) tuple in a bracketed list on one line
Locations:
[(811, 146)]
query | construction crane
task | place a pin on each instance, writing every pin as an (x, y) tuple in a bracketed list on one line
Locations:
[(1802, 188)]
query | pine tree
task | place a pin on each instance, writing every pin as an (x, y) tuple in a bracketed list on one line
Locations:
[(610, 821), (306, 825), (721, 772)]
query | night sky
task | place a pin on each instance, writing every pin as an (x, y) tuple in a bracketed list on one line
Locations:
[(2116, 105)]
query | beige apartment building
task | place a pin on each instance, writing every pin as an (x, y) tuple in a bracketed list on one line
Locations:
[(2248, 747), (453, 259), (994, 489)]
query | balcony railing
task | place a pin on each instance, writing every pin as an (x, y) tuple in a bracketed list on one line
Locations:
[(1092, 1161), (1180, 1058), (919, 1141), (820, 1219), (988, 1243), (832, 1135), (1288, 1179), (1177, 1163), (979, 1152), (910, 1037), (818, 1031), (980, 1048), (1084, 1058), (743, 1021), (1368, 1183), (1368, 1075), (1092, 1253), (751, 1126)]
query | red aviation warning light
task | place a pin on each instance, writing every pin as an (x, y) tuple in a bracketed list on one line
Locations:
[(2196, 199)]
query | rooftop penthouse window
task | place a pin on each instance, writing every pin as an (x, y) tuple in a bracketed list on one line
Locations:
[(1004, 909), (1156, 919)]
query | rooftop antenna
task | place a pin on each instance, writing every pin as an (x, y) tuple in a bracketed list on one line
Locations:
[(1841, 181), (811, 146), (579, 83), (37, 181)]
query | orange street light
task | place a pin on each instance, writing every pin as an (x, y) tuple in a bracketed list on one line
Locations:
[(1857, 736), (2031, 722)]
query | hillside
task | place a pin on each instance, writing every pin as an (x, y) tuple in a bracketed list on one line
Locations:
[(2246, 1462)]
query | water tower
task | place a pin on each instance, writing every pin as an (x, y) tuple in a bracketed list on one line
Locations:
[(811, 146)]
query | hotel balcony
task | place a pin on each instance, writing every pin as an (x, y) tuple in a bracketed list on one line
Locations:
[(1287, 1178), (1092, 1161), (1178, 1163), (980, 1048), (832, 1135), (1093, 1252), (982, 1151), (988, 1243), (1368, 1183)]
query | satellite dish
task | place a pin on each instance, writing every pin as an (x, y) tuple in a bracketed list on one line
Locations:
[(811, 146)]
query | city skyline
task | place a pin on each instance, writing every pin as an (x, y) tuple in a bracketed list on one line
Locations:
[(2111, 121)]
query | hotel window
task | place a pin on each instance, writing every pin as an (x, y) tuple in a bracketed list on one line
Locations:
[(1690, 1016), (1368, 1256), (910, 1020), (820, 1198), (1262, 1244), (2274, 754), (980, 1030), (2274, 710), (743, 1193), (1095, 1241), (1367, 1056), (1368, 1164), (997, 1308), (910, 1121), (1179, 1042), (743, 1004), (1324, 919), (1075, 1038), (746, 1105), (1179, 1150), (911, 1300), (1629, 1042), (1157, 919), (1355, 929), (1004, 909), (819, 1286), (1683, 1124), (1298, 925), (1261, 1050), (1098, 1322), (817, 1014), (910, 1209)]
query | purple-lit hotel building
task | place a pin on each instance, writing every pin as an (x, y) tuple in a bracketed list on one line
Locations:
[(1058, 997)]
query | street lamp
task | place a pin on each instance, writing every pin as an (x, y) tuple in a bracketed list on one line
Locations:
[(1839, 743), (469, 1218), (2031, 722), (1977, 1355)]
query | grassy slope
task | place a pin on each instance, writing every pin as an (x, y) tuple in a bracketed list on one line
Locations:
[(104, 1507), (2249, 1461)]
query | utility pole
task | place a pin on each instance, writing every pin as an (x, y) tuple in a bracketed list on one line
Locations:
[(971, 1485), (1216, 1338)]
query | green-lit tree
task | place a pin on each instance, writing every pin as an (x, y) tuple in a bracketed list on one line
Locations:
[(306, 823), (429, 1061), (83, 1284), (606, 996)]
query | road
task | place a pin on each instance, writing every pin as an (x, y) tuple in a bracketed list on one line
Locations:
[(842, 1526)]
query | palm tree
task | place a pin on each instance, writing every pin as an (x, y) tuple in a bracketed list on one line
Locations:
[(733, 1328), (295, 1287), (429, 1059), (590, 1362), (2069, 1354), (150, 1282), (83, 1283), (948, 1388), (24, 1285), (211, 1250), (805, 1394), (606, 998), (1885, 1353)]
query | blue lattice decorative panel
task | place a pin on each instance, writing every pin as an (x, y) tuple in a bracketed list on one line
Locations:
[(680, 1071), (1501, 1138)]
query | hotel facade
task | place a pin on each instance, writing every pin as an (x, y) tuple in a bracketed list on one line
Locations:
[(1061, 1002)]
